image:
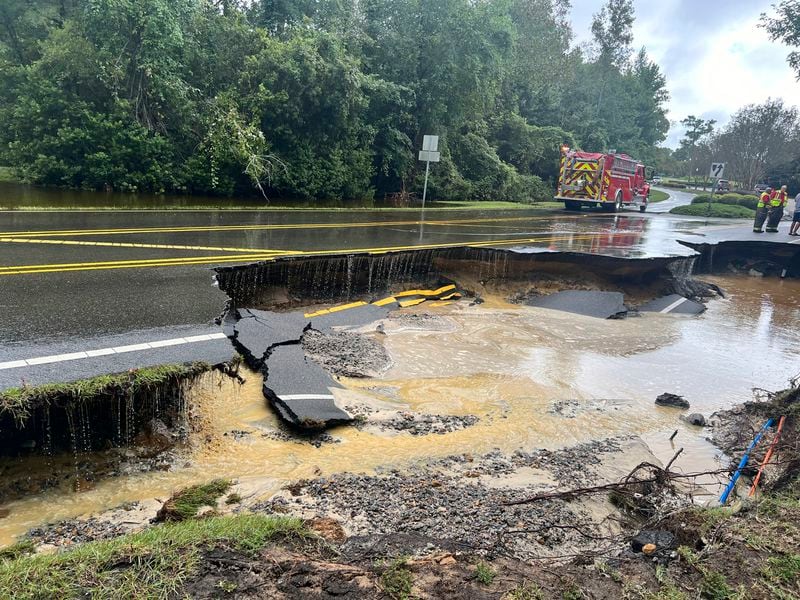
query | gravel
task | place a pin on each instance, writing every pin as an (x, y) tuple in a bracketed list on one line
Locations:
[(346, 353), (448, 500)]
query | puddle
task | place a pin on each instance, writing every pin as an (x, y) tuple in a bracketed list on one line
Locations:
[(515, 368)]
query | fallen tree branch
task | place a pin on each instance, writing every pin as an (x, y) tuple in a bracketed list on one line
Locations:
[(621, 485)]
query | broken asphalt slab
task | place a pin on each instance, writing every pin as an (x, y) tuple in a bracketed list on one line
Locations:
[(300, 390), (673, 304), (256, 331), (602, 305)]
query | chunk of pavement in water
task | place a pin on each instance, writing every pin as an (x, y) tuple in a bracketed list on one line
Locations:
[(603, 305), (257, 330), (695, 419), (352, 317), (300, 390), (672, 400), (673, 304)]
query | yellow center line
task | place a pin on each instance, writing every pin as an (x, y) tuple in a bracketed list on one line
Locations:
[(17, 240), (120, 264), (148, 230), (272, 255)]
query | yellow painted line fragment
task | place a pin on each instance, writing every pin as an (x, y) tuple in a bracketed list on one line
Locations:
[(413, 302), (385, 301), (335, 309), (426, 293), (451, 296), (439, 304)]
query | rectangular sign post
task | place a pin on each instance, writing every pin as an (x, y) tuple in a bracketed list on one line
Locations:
[(429, 154), (716, 173)]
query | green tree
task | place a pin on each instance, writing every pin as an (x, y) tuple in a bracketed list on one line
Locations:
[(785, 27)]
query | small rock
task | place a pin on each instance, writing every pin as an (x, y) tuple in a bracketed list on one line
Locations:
[(447, 560), (672, 400), (649, 549), (696, 419)]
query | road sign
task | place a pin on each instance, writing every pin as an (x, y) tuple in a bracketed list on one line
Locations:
[(717, 170), (430, 143), (429, 156)]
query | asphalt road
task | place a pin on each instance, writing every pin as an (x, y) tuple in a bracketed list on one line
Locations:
[(70, 281)]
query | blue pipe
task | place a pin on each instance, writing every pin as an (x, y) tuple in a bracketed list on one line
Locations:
[(743, 463)]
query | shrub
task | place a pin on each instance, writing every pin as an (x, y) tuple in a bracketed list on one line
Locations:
[(715, 210)]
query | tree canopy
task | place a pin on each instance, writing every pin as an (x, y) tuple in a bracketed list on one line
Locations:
[(317, 99)]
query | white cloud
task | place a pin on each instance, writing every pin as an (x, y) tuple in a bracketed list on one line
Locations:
[(715, 57)]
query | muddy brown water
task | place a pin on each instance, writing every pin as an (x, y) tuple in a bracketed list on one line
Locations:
[(507, 365)]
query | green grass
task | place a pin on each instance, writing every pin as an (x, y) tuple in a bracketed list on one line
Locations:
[(19, 402), (657, 196), (397, 580), (184, 504), (784, 569), (151, 564), (484, 573), (721, 211), (21, 548), (525, 591)]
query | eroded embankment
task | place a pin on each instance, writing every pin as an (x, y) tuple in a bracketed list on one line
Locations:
[(748, 257), (145, 409), (294, 281)]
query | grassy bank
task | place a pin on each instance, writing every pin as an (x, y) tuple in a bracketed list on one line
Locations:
[(658, 196), (154, 563), (716, 210), (18, 403)]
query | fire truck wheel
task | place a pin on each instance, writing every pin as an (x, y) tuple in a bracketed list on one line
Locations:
[(618, 202), (643, 208)]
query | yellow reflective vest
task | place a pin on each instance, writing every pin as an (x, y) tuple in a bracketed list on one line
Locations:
[(779, 199), (764, 200)]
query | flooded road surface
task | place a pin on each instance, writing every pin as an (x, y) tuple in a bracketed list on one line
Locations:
[(112, 272), (535, 378)]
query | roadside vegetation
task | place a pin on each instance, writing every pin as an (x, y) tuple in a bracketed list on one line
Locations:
[(154, 563), (18, 403), (7, 175), (317, 100), (658, 196), (726, 206)]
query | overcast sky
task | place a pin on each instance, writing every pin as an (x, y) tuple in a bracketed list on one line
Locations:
[(714, 56)]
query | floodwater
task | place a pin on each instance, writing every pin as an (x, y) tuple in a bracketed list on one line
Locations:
[(17, 196), (511, 366)]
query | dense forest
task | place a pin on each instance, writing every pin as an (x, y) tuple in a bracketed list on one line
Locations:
[(317, 98)]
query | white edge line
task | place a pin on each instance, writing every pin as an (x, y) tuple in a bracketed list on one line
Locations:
[(45, 360), (674, 305), (305, 397)]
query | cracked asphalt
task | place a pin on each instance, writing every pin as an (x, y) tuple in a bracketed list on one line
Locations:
[(70, 279)]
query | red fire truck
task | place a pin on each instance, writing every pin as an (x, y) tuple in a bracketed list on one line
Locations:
[(611, 181)]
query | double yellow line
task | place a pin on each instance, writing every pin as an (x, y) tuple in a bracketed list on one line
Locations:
[(223, 228), (271, 255)]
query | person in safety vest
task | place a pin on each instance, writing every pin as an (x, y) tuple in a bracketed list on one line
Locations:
[(762, 209), (777, 202)]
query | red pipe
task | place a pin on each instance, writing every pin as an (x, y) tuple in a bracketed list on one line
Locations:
[(767, 456)]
